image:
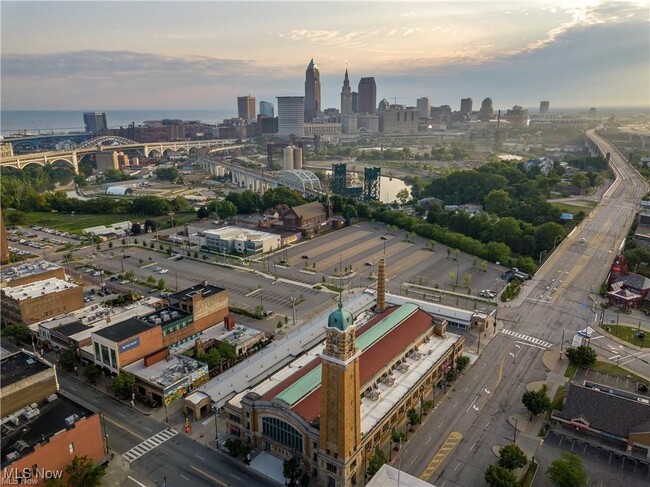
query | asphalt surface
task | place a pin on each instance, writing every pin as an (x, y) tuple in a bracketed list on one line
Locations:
[(180, 459), (557, 303)]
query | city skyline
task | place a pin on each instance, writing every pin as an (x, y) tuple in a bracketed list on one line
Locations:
[(203, 55)]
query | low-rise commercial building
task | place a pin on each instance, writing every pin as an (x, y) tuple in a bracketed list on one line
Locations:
[(241, 240), (191, 311), (601, 413), (163, 378), (28, 272), (41, 428), (40, 300)]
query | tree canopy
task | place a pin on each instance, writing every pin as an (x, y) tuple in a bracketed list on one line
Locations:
[(512, 457), (568, 471), (536, 402)]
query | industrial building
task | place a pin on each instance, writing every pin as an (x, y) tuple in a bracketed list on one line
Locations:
[(29, 272), (40, 300)]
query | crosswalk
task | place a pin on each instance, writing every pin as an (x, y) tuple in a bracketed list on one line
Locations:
[(527, 338), (149, 444)]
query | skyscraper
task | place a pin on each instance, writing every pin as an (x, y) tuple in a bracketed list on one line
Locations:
[(486, 111), (246, 107), (367, 96), (95, 122), (346, 96), (291, 115), (267, 109), (355, 102), (466, 105), (312, 91), (424, 107), (543, 107)]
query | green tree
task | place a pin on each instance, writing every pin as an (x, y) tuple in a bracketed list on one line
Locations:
[(376, 461), (19, 332), (512, 457), (497, 476), (403, 196), (397, 436), (202, 213), (151, 281), (68, 359), (123, 384), (413, 416), (161, 283), (462, 362), (536, 401), (582, 356), (291, 469), (228, 351), (498, 202), (82, 472), (349, 212), (92, 373), (568, 471), (225, 209)]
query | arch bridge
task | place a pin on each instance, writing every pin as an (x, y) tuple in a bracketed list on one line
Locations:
[(73, 156)]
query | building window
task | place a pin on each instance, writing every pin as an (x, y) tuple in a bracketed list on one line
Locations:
[(331, 467), (97, 352), (234, 417), (282, 432), (113, 359), (331, 482), (71, 447)]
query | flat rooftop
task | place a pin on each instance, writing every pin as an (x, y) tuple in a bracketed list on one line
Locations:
[(27, 269), (124, 329), (20, 365), (38, 288), (94, 318), (229, 233), (166, 373), (19, 439), (205, 289)]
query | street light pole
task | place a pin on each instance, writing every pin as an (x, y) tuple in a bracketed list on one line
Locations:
[(515, 438)]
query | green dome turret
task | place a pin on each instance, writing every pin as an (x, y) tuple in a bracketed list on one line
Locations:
[(340, 318)]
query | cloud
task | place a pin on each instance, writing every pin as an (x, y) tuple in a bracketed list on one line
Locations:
[(111, 64), (581, 16)]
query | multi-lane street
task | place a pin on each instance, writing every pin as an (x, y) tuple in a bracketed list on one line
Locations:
[(557, 303), (156, 451)]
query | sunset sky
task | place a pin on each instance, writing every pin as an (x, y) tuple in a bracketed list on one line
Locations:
[(201, 55)]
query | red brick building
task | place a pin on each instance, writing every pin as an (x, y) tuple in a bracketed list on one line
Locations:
[(43, 429)]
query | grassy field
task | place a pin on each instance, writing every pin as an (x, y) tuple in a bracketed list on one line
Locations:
[(628, 333), (77, 222), (574, 209), (558, 400)]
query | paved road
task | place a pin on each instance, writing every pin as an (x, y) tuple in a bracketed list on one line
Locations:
[(181, 459), (553, 306)]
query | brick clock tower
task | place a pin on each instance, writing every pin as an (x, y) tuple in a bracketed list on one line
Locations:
[(340, 409)]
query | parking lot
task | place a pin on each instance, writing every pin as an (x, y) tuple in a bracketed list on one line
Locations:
[(360, 246), (605, 463)]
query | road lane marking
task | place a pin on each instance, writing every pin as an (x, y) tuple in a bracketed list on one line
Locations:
[(183, 476), (139, 483), (149, 444), (207, 475), (441, 455), (199, 457), (142, 438), (233, 475), (121, 414)]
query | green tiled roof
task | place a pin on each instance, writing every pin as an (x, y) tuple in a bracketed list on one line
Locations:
[(311, 380), (302, 387), (386, 325)]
